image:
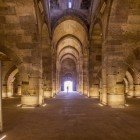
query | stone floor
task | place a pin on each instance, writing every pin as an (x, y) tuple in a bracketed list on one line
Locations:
[(71, 117)]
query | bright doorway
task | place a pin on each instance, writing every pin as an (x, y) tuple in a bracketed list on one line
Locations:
[(68, 86)]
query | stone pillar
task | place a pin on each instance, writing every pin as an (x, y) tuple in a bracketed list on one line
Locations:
[(131, 91), (10, 89), (80, 76), (85, 77), (4, 90), (80, 85), (19, 90), (33, 85), (59, 85), (30, 85), (18, 79), (47, 93), (1, 121), (53, 78), (126, 86), (33, 93), (35, 88), (24, 87), (137, 84), (57, 82), (103, 94), (137, 90), (115, 96), (41, 92), (94, 91), (85, 90)]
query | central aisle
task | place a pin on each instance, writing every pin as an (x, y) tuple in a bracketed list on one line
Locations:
[(70, 117), (69, 95)]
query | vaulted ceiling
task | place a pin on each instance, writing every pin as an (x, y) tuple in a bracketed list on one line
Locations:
[(83, 9)]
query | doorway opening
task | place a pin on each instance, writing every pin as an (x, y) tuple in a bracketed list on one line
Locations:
[(68, 86)]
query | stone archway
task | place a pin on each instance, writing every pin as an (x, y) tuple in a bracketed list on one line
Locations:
[(68, 45)]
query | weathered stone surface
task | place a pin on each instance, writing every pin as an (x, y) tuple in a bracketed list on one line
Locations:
[(97, 50), (7, 10)]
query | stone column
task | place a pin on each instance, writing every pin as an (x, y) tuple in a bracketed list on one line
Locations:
[(41, 91), (33, 85), (57, 82), (1, 121), (80, 76), (24, 77), (81, 84), (103, 95), (59, 85), (137, 90), (85, 77), (19, 90), (47, 92), (94, 91), (115, 96), (10, 89), (4, 90), (34, 91), (18, 85), (137, 84), (126, 86), (94, 85), (53, 76), (35, 80), (131, 91), (30, 84)]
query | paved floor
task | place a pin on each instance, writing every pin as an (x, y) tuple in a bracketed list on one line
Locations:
[(71, 117)]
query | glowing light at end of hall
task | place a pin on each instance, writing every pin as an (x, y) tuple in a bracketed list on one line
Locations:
[(69, 4), (68, 86)]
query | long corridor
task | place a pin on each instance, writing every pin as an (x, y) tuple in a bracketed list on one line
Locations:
[(71, 116)]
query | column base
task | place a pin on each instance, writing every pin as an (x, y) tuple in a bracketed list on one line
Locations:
[(116, 100), (137, 90), (4, 95), (4, 91), (9, 94), (29, 101), (103, 95), (104, 99), (19, 90), (47, 94), (130, 94)]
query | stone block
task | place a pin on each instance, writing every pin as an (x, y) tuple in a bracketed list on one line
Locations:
[(26, 45), (2, 20), (94, 91), (116, 100), (7, 10), (137, 90)]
